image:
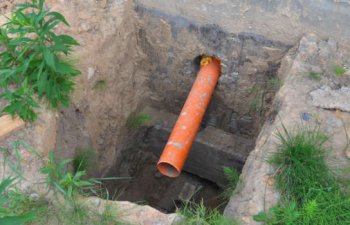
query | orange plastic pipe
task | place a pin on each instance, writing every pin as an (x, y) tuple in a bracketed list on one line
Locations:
[(185, 130)]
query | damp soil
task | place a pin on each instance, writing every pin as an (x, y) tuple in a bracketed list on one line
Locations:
[(150, 187)]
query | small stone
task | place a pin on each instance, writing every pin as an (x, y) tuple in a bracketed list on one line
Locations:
[(91, 73), (35, 196), (305, 116), (271, 181)]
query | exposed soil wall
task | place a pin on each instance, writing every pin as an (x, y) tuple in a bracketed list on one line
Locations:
[(111, 85), (131, 56)]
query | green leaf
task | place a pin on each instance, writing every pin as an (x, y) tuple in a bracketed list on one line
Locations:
[(41, 4), (58, 16), (261, 217), (20, 219), (50, 58), (68, 40), (42, 84), (39, 18), (13, 220), (59, 188), (67, 69), (6, 183), (84, 183)]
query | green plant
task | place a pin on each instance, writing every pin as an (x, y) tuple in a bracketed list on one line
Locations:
[(137, 120), (300, 159), (311, 194), (32, 61), (13, 211), (84, 159), (59, 178), (100, 85), (340, 70), (194, 214), (260, 94), (17, 208), (315, 76), (78, 212), (273, 82), (12, 159), (232, 177)]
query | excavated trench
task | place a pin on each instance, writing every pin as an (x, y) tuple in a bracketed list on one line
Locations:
[(167, 48)]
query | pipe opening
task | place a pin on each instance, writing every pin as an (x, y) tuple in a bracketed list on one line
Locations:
[(168, 170)]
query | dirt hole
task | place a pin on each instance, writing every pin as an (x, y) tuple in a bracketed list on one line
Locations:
[(166, 49)]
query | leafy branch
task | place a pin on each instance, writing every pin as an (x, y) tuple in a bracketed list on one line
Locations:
[(33, 60)]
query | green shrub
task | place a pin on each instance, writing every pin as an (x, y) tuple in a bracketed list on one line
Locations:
[(32, 61), (58, 178)]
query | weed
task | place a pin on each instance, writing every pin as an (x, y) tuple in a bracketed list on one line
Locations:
[(12, 209), (137, 120), (315, 76), (301, 162), (257, 104), (12, 158), (261, 94), (310, 192), (232, 177), (340, 70), (15, 207), (74, 212), (60, 179), (194, 214), (100, 85), (32, 61), (84, 159), (274, 82)]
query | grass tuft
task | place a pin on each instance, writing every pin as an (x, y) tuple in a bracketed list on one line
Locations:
[(84, 159), (194, 214), (340, 70), (315, 76), (311, 193), (137, 120), (232, 177), (300, 159), (100, 85)]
